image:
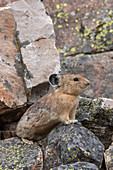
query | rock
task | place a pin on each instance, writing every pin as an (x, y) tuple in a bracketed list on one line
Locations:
[(37, 45), (15, 154), (32, 21), (12, 91), (38, 57), (100, 110), (76, 166), (97, 68), (25, 45), (108, 155), (12, 94), (8, 131), (97, 115), (72, 143), (82, 27)]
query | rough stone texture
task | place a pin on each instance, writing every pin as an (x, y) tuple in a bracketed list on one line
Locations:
[(108, 155), (82, 26), (70, 144), (24, 29), (41, 60), (8, 131), (97, 115), (97, 68), (12, 92), (35, 35), (15, 154), (76, 166), (32, 21), (4, 3)]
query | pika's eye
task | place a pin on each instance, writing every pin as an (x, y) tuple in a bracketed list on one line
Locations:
[(76, 79)]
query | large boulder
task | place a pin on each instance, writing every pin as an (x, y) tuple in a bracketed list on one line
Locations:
[(36, 39), (82, 27), (76, 166), (28, 56), (15, 154), (97, 115), (12, 91), (72, 143), (41, 59)]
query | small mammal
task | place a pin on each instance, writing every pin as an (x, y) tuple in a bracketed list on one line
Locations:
[(58, 106)]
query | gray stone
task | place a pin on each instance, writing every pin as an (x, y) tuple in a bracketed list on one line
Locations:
[(99, 110), (15, 154), (36, 39), (41, 60), (32, 21), (97, 115), (70, 144), (27, 56), (87, 47), (76, 166)]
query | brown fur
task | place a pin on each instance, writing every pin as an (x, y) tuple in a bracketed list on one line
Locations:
[(58, 106)]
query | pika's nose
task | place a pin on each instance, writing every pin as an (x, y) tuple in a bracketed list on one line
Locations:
[(87, 82)]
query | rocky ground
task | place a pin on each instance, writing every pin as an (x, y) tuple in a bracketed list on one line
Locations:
[(28, 55)]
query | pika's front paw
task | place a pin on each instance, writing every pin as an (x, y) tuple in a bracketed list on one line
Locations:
[(27, 141), (67, 122)]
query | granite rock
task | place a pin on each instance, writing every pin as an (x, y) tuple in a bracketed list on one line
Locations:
[(41, 60), (76, 166), (36, 40), (32, 22), (82, 26), (97, 115), (15, 154), (72, 143), (27, 56), (12, 91)]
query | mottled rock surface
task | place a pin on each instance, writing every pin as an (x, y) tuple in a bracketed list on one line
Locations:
[(97, 115), (32, 21), (27, 56), (15, 154), (8, 130), (36, 40), (97, 68), (76, 166), (82, 26), (12, 92), (41, 59), (68, 144)]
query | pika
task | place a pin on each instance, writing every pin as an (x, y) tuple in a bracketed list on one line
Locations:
[(58, 106)]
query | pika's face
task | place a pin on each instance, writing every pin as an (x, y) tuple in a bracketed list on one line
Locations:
[(73, 84)]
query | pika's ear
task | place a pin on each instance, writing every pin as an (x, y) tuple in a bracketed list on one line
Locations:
[(54, 80)]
